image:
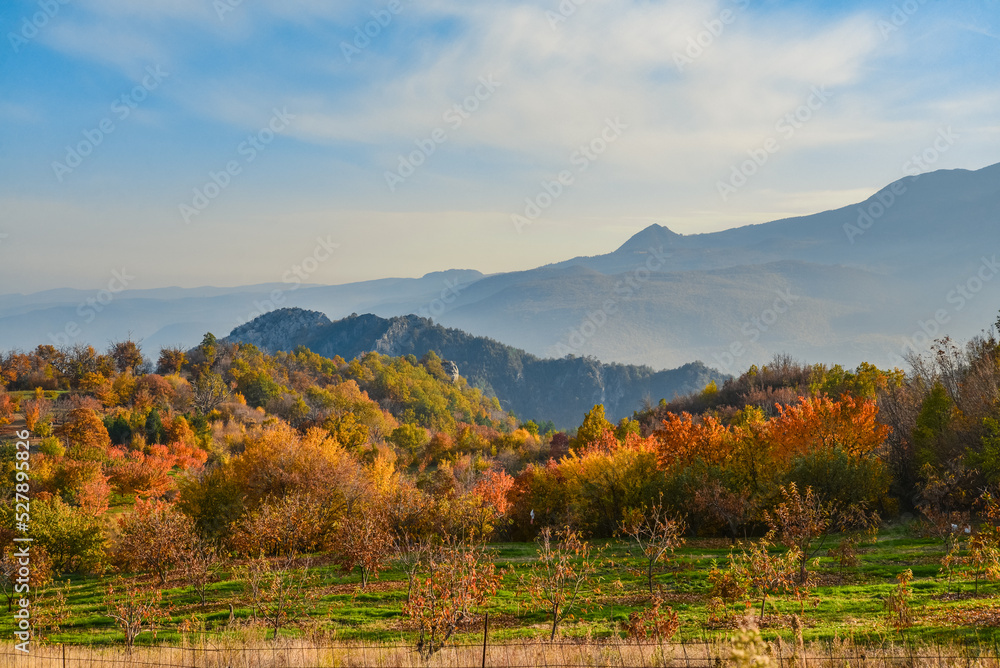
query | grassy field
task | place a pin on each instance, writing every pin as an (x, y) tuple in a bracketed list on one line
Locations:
[(844, 606)]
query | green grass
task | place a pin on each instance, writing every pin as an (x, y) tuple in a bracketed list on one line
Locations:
[(851, 608)]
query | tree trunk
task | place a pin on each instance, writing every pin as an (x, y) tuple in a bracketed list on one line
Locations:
[(762, 602), (555, 622)]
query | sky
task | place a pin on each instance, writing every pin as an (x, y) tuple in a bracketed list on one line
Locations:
[(221, 142)]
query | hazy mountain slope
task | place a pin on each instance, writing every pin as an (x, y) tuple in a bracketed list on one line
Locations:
[(928, 216), (674, 317), (867, 277), (561, 390), (865, 288), (181, 316)]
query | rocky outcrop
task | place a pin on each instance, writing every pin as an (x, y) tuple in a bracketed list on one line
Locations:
[(272, 331)]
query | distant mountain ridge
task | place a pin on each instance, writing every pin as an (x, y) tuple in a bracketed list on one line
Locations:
[(865, 282), (561, 390)]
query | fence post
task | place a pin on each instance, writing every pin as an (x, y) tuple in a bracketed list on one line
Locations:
[(64, 654), (486, 630)]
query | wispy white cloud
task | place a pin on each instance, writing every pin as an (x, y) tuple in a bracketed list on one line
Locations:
[(687, 125)]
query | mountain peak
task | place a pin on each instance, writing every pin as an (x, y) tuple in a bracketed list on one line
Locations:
[(268, 331), (654, 236)]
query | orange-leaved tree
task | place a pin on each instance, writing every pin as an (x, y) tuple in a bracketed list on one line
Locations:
[(139, 474), (85, 434), (820, 423), (682, 439), (487, 504), (460, 580), (154, 538)]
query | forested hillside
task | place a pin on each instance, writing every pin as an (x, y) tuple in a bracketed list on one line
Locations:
[(560, 390), (225, 458)]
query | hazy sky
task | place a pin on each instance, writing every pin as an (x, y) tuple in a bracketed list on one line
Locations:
[(116, 114)]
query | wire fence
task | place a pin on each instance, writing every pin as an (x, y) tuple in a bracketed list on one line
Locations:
[(612, 654)]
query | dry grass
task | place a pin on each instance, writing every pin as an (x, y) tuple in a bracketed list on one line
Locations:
[(300, 653)]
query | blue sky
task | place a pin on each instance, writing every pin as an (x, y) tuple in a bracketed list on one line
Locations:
[(692, 90)]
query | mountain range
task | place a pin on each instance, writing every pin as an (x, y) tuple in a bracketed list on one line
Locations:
[(560, 390), (865, 282)]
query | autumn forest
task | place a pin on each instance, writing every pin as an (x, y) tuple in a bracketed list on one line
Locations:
[(224, 490)]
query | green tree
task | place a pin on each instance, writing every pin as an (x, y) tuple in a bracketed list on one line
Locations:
[(530, 427), (836, 476), (434, 365), (933, 440), (213, 498), (72, 538), (119, 430), (593, 427), (627, 427), (258, 388), (209, 348), (155, 433), (986, 458), (409, 437)]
